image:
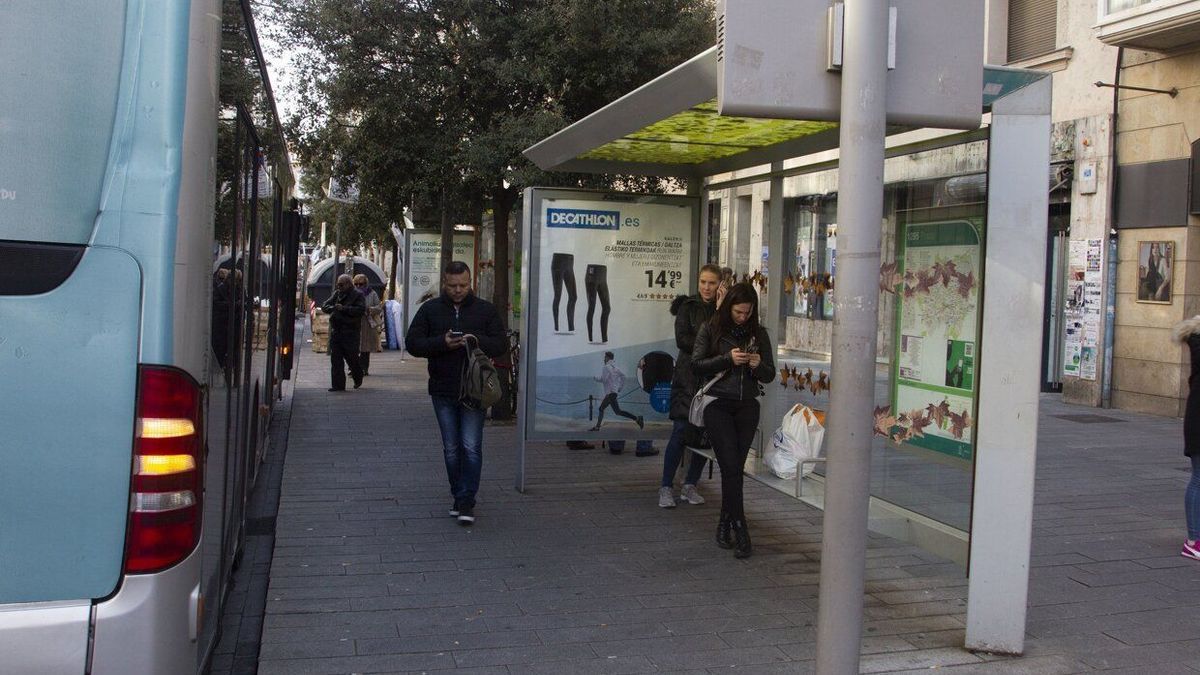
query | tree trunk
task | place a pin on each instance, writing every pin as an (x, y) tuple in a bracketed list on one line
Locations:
[(502, 204), (395, 266), (447, 234)]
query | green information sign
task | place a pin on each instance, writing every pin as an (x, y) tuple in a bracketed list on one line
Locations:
[(937, 324)]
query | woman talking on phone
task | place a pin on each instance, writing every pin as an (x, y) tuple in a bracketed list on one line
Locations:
[(736, 350)]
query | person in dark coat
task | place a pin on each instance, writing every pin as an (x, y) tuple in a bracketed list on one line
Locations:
[(441, 331), (1188, 332), (345, 308), (733, 347), (690, 311)]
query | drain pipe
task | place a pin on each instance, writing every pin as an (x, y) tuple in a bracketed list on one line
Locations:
[(1110, 290)]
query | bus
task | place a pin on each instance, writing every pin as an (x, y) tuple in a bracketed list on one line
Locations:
[(148, 251)]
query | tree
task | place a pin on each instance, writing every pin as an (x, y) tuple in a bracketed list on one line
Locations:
[(446, 94)]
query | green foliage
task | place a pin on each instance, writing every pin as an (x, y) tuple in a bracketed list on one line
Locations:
[(413, 98)]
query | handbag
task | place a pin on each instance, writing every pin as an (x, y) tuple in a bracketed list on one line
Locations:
[(701, 400)]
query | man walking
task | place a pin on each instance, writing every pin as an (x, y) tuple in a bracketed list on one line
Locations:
[(345, 308), (440, 332)]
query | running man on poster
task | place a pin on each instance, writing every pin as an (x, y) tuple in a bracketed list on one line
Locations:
[(605, 272)]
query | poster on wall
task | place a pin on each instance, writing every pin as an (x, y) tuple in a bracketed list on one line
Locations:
[(937, 318), (601, 273), (1093, 294), (1082, 310), (1073, 309), (422, 266)]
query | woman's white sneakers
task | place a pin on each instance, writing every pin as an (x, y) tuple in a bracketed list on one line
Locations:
[(689, 494), (666, 498)]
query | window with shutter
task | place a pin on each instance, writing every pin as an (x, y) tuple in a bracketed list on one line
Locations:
[(1031, 28)]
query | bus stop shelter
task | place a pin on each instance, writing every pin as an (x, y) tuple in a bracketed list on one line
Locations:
[(673, 127)]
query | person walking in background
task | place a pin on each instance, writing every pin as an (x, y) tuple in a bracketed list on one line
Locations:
[(345, 308), (690, 313), (734, 348), (1188, 332), (372, 321), (613, 380), (440, 332)]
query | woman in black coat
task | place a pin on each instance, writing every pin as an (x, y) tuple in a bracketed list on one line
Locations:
[(1188, 332), (691, 312), (733, 347)]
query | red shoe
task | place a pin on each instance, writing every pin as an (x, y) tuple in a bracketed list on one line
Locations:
[(1191, 550)]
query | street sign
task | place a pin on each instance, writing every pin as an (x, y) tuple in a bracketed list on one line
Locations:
[(338, 191), (775, 60)]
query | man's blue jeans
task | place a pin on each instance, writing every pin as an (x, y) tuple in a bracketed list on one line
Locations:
[(462, 443), (674, 454)]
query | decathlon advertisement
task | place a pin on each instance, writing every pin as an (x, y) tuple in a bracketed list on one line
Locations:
[(603, 272)]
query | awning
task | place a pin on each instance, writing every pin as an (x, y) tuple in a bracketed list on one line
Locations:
[(670, 127)]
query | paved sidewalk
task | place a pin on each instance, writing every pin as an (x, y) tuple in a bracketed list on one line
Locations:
[(585, 574)]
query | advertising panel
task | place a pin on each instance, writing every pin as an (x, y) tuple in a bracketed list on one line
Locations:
[(423, 265), (937, 317), (602, 272)]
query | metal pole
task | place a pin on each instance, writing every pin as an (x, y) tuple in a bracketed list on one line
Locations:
[(337, 244), (851, 401)]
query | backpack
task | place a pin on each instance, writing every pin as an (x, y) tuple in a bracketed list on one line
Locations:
[(480, 387)]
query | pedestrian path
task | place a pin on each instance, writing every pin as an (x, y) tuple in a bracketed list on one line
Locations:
[(585, 574)]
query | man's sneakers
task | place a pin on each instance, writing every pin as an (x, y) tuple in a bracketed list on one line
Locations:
[(466, 515), (666, 499), (690, 495), (1191, 550)]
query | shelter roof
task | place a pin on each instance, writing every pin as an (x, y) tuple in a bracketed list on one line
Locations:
[(670, 127)]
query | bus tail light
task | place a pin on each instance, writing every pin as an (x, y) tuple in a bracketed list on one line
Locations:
[(167, 486)]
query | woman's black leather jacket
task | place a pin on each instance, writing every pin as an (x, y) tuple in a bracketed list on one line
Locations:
[(710, 355)]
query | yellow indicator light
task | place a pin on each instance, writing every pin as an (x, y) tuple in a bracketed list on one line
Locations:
[(286, 349), (165, 465), (164, 427)]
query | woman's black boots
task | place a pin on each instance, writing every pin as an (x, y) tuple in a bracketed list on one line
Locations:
[(742, 548), (724, 538)]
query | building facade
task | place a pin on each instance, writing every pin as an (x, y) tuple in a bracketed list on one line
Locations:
[(1100, 219)]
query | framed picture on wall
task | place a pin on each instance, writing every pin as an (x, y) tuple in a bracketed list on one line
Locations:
[(1156, 267)]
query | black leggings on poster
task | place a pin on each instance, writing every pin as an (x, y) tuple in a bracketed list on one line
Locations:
[(595, 282), (610, 401), (562, 270)]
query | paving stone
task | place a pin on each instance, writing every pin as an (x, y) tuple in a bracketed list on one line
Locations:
[(924, 658), (575, 576)]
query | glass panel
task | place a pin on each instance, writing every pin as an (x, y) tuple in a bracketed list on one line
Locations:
[(1114, 6), (812, 265), (929, 471), (55, 131)]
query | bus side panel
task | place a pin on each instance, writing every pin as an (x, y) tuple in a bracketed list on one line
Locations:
[(194, 244), (44, 639), (150, 626), (68, 382)]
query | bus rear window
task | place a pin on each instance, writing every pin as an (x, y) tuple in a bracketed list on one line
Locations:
[(60, 69)]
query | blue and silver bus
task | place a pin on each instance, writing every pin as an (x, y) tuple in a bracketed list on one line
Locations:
[(147, 298)]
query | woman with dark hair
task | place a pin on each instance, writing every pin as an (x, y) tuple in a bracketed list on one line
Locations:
[(736, 350)]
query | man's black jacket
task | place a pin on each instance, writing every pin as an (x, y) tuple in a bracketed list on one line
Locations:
[(346, 320), (426, 337)]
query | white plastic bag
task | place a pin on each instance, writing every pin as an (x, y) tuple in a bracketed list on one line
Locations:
[(798, 438)]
